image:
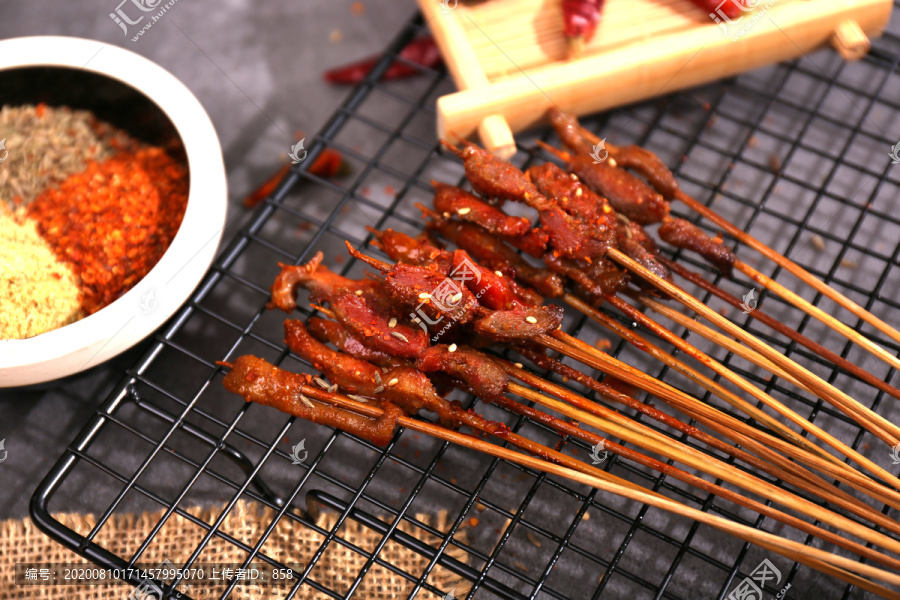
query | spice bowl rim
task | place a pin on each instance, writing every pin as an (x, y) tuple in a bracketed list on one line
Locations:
[(143, 309)]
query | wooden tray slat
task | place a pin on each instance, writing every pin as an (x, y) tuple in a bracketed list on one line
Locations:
[(508, 57)]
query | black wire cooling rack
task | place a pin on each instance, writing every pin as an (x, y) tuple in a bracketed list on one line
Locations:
[(796, 154)]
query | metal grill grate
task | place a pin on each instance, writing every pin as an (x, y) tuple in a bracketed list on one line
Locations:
[(796, 154)]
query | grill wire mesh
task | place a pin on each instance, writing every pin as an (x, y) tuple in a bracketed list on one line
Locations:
[(795, 154)]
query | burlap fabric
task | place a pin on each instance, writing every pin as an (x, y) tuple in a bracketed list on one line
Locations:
[(290, 542)]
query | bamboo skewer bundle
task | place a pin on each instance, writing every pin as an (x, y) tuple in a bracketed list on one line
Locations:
[(875, 423), (765, 319), (778, 466), (837, 566)]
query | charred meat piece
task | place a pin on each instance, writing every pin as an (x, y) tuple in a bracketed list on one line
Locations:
[(574, 136), (371, 325), (412, 250), (319, 280), (524, 295), (403, 386), (477, 372), (424, 289), (650, 168), (259, 381), (579, 228), (334, 333), (436, 295), (573, 238), (494, 254), (637, 233), (490, 289), (493, 177), (573, 196), (570, 132), (451, 200), (520, 324), (411, 390), (534, 242), (356, 376), (629, 240), (629, 195), (684, 234), (592, 281)]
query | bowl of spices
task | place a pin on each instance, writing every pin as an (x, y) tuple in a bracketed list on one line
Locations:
[(112, 203)]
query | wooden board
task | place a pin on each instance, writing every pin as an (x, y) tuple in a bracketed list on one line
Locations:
[(508, 57)]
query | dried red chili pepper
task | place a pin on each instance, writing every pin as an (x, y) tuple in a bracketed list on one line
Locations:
[(728, 8), (330, 163), (580, 19), (113, 221), (421, 51)]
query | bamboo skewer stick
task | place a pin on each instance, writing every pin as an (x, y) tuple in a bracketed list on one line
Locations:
[(839, 468), (567, 428), (674, 396), (789, 266), (753, 390), (763, 446), (617, 397), (804, 554), (784, 469), (875, 423), (715, 337), (854, 336), (665, 446), (604, 363), (707, 383), (765, 319)]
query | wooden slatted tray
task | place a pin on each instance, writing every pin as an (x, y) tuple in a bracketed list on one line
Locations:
[(509, 57)]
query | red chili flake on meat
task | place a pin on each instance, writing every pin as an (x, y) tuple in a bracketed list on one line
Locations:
[(39, 109), (113, 221)]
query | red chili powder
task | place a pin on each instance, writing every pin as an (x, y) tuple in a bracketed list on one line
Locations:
[(113, 221)]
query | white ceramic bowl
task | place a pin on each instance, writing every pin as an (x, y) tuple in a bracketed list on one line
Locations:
[(157, 296)]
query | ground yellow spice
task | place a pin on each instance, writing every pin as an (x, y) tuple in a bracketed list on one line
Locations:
[(37, 292)]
